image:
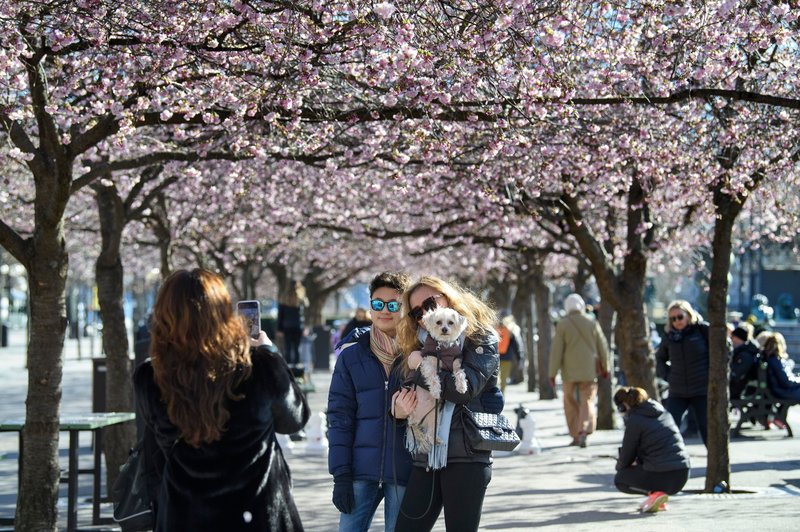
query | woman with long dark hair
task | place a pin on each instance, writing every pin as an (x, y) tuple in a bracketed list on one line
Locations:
[(212, 404)]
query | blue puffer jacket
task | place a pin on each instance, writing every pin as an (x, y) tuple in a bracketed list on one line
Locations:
[(363, 439)]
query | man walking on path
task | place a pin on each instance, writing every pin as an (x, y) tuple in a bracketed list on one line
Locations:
[(580, 352)]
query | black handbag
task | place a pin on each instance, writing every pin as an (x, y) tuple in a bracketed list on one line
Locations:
[(489, 432), (133, 501)]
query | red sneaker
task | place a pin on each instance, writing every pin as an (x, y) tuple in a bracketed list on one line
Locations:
[(654, 501)]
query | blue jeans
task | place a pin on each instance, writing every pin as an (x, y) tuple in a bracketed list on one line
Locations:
[(368, 495)]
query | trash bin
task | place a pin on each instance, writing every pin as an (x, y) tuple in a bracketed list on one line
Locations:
[(322, 347), (4, 335), (99, 384)]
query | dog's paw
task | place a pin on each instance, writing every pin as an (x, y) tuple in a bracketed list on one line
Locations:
[(435, 387), (461, 381)]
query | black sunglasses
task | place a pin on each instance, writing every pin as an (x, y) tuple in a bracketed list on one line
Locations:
[(378, 304), (426, 306), (676, 318)]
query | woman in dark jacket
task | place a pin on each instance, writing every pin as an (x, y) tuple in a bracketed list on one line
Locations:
[(653, 459), (366, 455), (682, 360), (782, 383), (290, 322), (213, 405), (460, 485)]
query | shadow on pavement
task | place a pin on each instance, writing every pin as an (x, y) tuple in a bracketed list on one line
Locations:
[(575, 518)]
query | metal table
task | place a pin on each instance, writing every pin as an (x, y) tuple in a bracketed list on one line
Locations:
[(75, 424)]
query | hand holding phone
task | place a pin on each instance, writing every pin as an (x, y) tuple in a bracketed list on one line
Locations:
[(251, 310)]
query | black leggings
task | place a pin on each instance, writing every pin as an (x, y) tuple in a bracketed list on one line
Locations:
[(459, 488), (634, 479)]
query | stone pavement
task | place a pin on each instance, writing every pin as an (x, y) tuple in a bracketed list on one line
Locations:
[(563, 488), (572, 488)]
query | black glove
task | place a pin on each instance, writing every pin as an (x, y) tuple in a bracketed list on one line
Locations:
[(343, 496)]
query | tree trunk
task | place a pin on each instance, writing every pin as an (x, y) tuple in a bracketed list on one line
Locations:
[(313, 314), (623, 290), (47, 274), (544, 327), (522, 310), (118, 439), (160, 225), (500, 294), (718, 468), (605, 412), (635, 356)]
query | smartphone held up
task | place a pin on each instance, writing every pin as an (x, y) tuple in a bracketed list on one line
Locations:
[(251, 310)]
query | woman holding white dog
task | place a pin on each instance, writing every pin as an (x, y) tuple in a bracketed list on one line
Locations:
[(457, 485)]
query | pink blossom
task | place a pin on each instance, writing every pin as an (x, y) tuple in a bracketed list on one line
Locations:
[(384, 10)]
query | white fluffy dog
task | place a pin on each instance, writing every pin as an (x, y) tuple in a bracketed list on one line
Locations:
[(445, 327)]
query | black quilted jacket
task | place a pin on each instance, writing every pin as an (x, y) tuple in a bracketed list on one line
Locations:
[(687, 354)]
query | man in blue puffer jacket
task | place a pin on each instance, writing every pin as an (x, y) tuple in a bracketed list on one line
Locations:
[(366, 456)]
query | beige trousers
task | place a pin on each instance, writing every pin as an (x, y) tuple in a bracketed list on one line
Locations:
[(505, 372), (579, 408)]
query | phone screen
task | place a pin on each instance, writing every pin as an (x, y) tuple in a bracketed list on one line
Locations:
[(251, 310)]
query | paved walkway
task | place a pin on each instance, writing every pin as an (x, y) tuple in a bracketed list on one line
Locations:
[(572, 488), (561, 488)]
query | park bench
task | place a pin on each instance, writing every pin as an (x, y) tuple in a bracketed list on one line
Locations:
[(759, 405)]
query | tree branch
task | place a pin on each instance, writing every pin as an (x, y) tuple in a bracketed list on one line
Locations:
[(148, 160)]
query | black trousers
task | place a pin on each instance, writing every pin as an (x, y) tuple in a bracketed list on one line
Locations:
[(699, 404), (291, 345), (458, 488), (634, 479)]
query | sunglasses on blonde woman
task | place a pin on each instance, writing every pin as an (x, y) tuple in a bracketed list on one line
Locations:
[(426, 306), (677, 317)]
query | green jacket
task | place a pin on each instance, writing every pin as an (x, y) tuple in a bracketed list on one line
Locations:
[(578, 345)]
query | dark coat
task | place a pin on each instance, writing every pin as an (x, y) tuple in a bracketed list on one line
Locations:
[(480, 364), (652, 439), (363, 441), (782, 385), (354, 324), (243, 476), (744, 367), (290, 318), (687, 353)]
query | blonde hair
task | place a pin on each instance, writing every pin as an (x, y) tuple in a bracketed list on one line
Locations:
[(481, 319), (762, 338), (293, 295), (774, 346), (686, 307)]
